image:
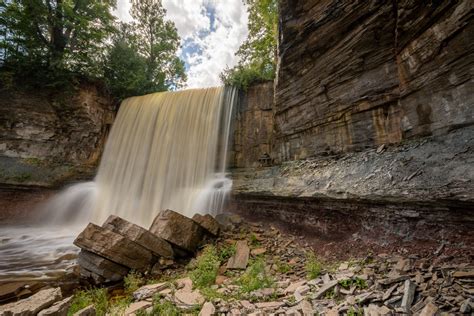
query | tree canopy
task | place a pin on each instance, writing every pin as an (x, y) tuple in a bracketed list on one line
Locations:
[(258, 52), (54, 40)]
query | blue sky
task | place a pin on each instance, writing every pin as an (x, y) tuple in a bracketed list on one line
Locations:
[(211, 32)]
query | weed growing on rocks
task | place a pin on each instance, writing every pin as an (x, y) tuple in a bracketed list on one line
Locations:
[(207, 266), (313, 266), (226, 252), (255, 277), (132, 282), (96, 297)]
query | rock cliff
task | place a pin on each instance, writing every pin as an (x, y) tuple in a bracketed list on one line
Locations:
[(357, 74), (48, 135)]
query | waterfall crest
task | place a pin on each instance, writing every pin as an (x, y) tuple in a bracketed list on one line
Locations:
[(166, 150)]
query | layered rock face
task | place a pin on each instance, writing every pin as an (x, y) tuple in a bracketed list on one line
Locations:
[(253, 126), (44, 134), (357, 74)]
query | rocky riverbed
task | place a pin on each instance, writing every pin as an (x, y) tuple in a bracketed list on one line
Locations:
[(255, 269)]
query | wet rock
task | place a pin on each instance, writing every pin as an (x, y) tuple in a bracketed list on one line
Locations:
[(114, 247), (408, 295), (137, 306), (108, 270), (140, 235), (241, 257), (208, 222), (149, 290), (33, 304), (178, 229), (86, 311), (57, 309), (430, 309), (207, 309)]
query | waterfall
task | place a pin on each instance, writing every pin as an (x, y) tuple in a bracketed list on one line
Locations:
[(166, 150)]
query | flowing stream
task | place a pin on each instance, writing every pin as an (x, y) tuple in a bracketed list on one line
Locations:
[(166, 150)]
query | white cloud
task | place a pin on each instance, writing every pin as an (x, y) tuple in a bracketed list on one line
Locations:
[(207, 51)]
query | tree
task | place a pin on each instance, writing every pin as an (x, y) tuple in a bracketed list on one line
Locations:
[(125, 69), (258, 52), (158, 42), (57, 34)]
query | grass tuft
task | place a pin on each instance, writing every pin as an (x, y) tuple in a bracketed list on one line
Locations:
[(207, 266), (313, 266), (132, 282), (255, 277), (96, 297)]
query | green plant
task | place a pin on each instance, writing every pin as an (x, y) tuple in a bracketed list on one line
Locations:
[(313, 266), (118, 305), (207, 266), (283, 267), (132, 282), (162, 308), (255, 277), (254, 240), (355, 312), (356, 281), (96, 297), (226, 252)]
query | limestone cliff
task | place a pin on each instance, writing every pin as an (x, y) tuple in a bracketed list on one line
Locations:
[(47, 135), (357, 74)]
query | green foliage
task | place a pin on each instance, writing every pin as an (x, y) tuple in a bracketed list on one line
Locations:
[(356, 281), (283, 267), (53, 38), (226, 252), (161, 308), (258, 53), (207, 266), (82, 299), (355, 312), (313, 266), (132, 282), (255, 277), (254, 240)]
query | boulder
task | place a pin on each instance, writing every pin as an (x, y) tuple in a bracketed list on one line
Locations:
[(110, 271), (241, 257), (114, 247), (57, 309), (207, 222), (140, 235), (33, 304), (178, 229)]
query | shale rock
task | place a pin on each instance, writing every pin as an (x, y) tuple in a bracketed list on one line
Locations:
[(33, 304), (207, 222), (178, 229), (57, 309), (86, 311), (108, 270), (140, 235), (241, 257), (114, 247)]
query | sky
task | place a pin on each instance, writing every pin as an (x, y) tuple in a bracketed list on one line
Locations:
[(211, 31)]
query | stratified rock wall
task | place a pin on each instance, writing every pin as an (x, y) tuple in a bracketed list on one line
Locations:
[(253, 126), (356, 74), (45, 134)]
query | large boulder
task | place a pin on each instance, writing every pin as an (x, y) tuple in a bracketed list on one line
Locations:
[(115, 247), (33, 304), (140, 235), (91, 264), (178, 229), (209, 224)]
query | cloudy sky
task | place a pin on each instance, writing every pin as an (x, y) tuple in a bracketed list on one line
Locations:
[(211, 32)]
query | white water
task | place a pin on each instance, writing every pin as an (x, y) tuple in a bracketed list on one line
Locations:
[(165, 151)]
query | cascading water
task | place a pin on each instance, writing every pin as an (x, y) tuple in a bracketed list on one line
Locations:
[(165, 150)]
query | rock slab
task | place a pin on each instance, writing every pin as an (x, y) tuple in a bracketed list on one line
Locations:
[(105, 268), (241, 257), (33, 304), (139, 235), (114, 247), (178, 229), (207, 222)]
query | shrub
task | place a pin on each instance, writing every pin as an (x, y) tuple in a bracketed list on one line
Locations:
[(313, 266), (207, 266)]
